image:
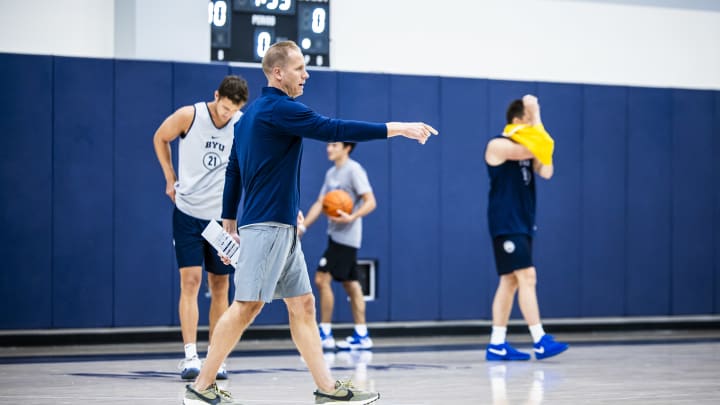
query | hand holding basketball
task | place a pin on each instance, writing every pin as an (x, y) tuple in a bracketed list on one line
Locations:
[(337, 200)]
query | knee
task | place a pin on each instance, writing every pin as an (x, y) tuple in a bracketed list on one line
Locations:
[(322, 280), (527, 277), (190, 281), (302, 307), (219, 285)]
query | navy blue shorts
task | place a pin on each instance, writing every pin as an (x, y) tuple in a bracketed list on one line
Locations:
[(191, 249), (512, 252)]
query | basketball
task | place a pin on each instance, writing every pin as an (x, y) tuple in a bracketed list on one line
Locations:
[(337, 200)]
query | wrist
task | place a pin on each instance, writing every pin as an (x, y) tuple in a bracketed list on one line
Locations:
[(302, 228)]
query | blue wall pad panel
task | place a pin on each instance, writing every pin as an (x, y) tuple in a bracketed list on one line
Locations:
[(83, 193), (649, 202), (255, 78), (143, 248), (193, 82), (415, 183), (467, 271), (367, 97), (602, 232), (716, 194), (26, 178), (692, 204), (556, 248)]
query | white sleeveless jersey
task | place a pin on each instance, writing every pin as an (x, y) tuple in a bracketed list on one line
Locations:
[(202, 159)]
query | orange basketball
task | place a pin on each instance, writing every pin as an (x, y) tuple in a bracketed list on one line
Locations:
[(337, 200)]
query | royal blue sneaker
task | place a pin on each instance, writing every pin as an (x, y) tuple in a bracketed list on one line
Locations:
[(355, 342), (504, 352), (548, 347)]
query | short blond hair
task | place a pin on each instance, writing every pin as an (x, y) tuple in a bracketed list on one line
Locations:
[(277, 55)]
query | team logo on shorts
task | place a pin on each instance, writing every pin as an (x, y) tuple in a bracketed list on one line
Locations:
[(323, 262), (509, 246)]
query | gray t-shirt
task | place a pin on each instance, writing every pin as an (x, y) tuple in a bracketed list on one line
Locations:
[(350, 177)]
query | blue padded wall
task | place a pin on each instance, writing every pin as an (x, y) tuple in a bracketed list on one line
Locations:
[(83, 193), (692, 205), (649, 202), (26, 84), (716, 194), (415, 183), (363, 96), (144, 255), (467, 274), (629, 224), (603, 168), (556, 248)]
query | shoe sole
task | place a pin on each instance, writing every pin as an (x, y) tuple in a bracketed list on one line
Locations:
[(547, 356), (364, 402), (190, 374)]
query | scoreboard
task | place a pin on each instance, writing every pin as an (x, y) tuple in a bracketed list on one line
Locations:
[(243, 30)]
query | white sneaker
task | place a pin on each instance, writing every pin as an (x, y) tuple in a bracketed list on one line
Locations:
[(190, 368)]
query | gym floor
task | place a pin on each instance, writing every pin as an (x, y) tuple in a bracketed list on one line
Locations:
[(650, 366)]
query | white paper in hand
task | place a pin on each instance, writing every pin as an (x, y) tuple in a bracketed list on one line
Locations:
[(222, 241)]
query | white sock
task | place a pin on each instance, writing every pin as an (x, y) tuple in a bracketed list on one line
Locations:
[(326, 328), (190, 350), (537, 332), (361, 330), (497, 337)]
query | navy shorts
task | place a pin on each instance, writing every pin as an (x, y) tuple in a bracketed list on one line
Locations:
[(340, 261), (191, 249), (512, 252)]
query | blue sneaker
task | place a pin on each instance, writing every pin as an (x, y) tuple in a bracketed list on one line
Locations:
[(190, 368), (504, 352), (222, 373), (548, 347), (356, 342), (328, 341)]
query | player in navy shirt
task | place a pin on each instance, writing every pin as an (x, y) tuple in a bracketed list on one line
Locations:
[(511, 218), (265, 164)]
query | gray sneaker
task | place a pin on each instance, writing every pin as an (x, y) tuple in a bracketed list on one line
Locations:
[(212, 395), (345, 392)]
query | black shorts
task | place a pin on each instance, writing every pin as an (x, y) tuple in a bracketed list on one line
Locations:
[(340, 261), (191, 249), (512, 252)]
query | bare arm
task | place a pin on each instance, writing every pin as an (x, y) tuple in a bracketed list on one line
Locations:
[(532, 107), (500, 150), (312, 215), (419, 131), (173, 126), (544, 171), (367, 206)]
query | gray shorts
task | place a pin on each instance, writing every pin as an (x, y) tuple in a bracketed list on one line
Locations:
[(271, 263)]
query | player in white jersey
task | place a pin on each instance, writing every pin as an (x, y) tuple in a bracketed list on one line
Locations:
[(206, 131)]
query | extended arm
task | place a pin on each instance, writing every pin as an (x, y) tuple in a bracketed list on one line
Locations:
[(500, 150)]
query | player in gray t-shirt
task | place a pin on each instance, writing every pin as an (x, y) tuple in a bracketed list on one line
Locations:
[(344, 239)]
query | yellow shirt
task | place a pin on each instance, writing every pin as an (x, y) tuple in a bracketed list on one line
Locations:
[(535, 138)]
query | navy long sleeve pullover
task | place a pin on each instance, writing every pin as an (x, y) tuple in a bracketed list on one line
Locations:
[(267, 152)]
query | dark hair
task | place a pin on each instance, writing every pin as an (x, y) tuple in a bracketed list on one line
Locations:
[(516, 109), (350, 144), (234, 88)]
